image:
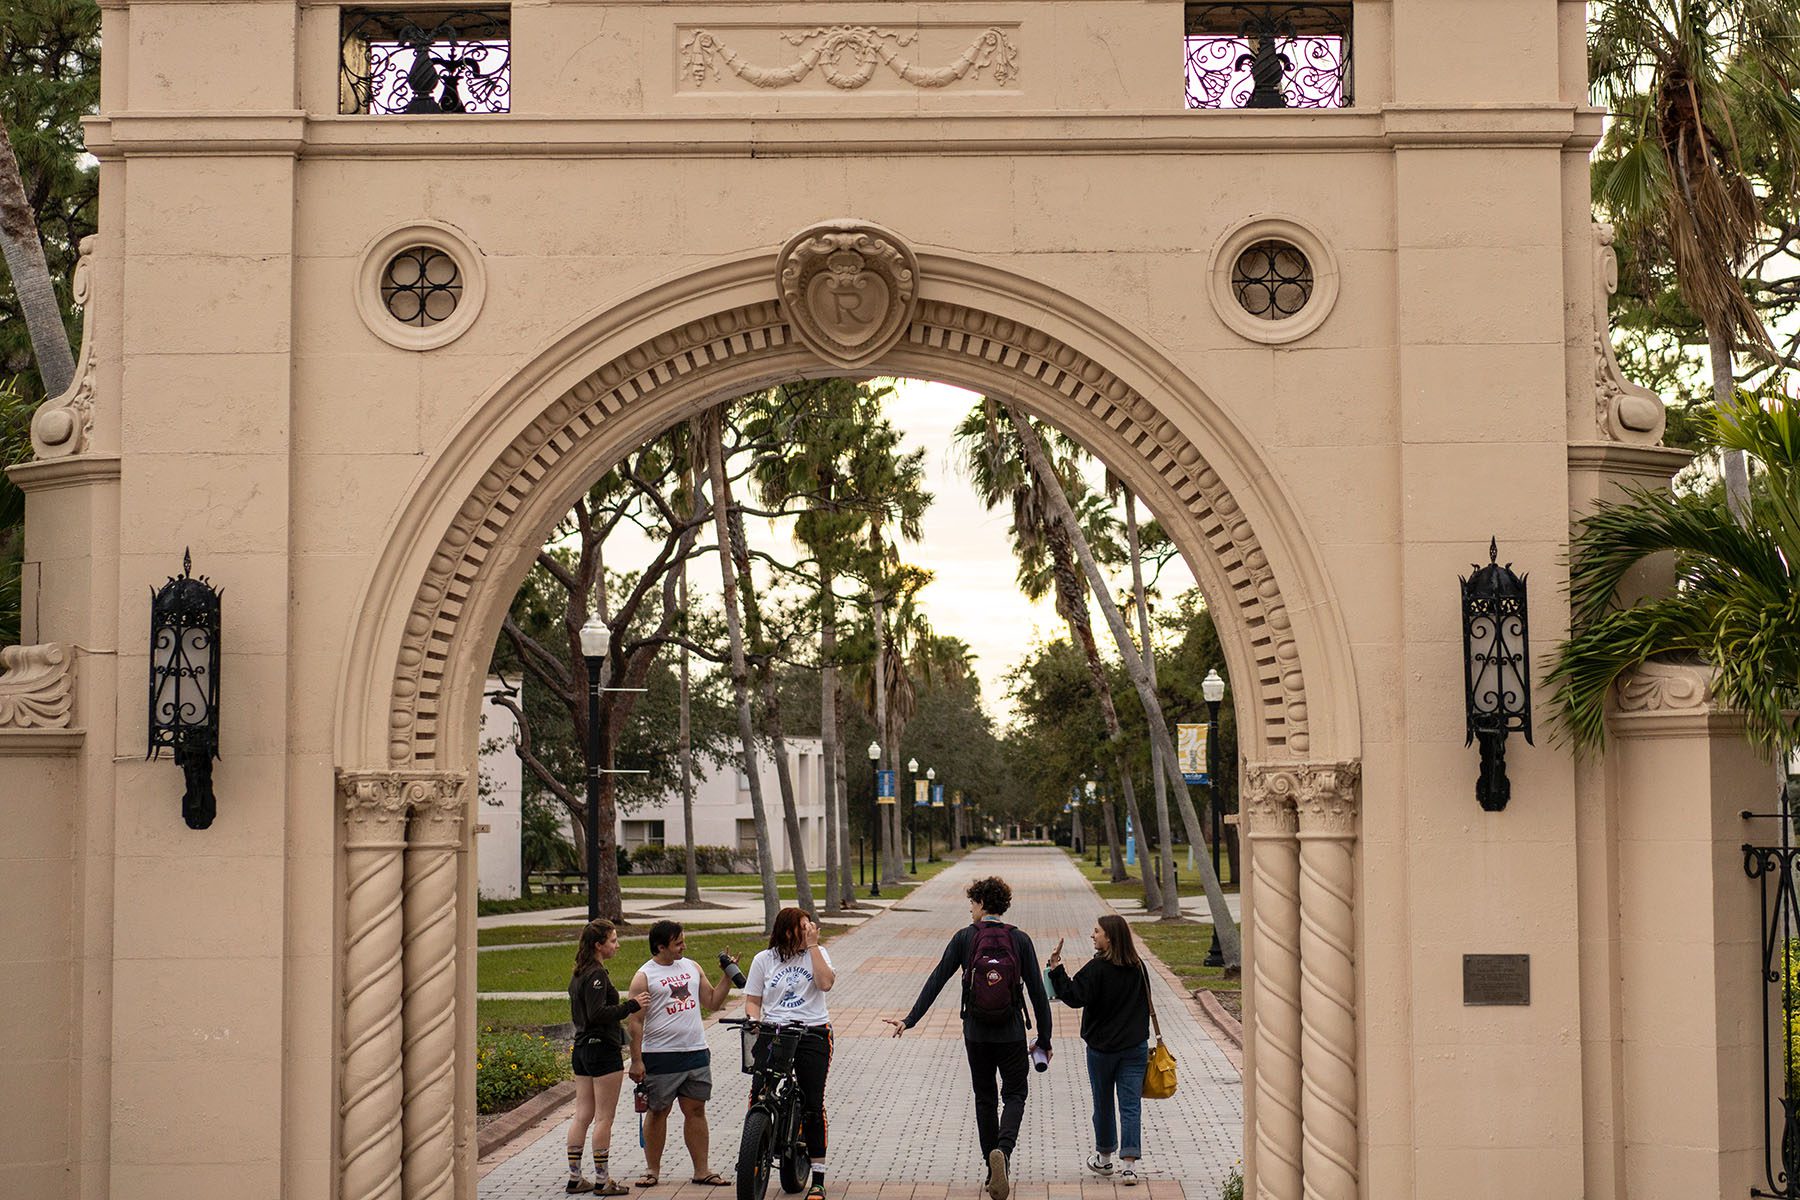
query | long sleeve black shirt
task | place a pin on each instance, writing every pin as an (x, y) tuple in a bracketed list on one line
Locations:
[(595, 1008), (1114, 1003), (956, 957)]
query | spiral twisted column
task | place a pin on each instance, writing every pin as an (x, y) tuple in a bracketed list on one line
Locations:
[(1270, 823), (428, 1006), (1328, 1042), (375, 805)]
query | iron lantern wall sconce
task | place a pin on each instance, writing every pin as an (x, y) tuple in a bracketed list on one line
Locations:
[(184, 685), (1496, 671)]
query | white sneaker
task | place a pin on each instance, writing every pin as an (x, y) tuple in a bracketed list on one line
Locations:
[(1098, 1165), (1127, 1175)]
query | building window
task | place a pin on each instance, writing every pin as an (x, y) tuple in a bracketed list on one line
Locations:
[(425, 61), (421, 286), (1272, 280), (633, 834), (1268, 56), (746, 836)]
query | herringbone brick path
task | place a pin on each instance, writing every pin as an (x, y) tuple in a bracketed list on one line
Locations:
[(902, 1122)]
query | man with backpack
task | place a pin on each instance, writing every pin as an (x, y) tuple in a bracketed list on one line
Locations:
[(999, 966)]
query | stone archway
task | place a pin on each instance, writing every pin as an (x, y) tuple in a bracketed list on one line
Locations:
[(466, 537)]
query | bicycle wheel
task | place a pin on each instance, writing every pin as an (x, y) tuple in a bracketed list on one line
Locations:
[(754, 1151), (796, 1167)]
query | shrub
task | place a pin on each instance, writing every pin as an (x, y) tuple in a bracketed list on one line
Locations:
[(512, 1065), (672, 860), (1234, 1186)]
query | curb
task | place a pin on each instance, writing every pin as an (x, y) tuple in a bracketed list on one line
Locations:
[(1230, 1026), (510, 1124)]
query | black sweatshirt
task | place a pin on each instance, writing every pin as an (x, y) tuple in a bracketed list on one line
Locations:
[(1115, 1007), (956, 957), (594, 1007)]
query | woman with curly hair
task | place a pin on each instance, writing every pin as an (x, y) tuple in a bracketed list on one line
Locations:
[(598, 1057)]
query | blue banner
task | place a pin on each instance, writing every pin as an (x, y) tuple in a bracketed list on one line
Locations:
[(884, 786), (937, 795)]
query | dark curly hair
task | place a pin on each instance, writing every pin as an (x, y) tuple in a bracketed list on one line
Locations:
[(662, 934), (992, 894)]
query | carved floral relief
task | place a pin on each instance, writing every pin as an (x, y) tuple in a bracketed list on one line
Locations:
[(846, 57), (63, 425), (35, 686)]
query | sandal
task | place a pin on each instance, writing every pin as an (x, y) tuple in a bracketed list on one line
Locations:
[(712, 1179), (577, 1185), (648, 1179), (611, 1187)]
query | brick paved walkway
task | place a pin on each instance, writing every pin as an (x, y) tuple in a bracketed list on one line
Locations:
[(902, 1125)]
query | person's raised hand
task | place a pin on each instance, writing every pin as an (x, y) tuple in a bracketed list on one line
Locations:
[(1056, 954), (812, 934), (898, 1024)]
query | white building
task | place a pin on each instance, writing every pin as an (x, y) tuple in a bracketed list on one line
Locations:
[(497, 823), (722, 814)]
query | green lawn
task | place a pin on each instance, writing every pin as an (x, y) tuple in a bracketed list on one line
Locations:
[(546, 968), (1182, 947), (1132, 888), (570, 932), (521, 1014)]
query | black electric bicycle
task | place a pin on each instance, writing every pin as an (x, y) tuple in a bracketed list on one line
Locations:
[(772, 1131)]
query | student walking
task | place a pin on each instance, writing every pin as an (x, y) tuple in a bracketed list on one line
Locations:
[(999, 969), (598, 1058), (668, 1049), (786, 986), (1112, 990)]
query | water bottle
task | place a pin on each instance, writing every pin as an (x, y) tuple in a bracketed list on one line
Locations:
[(640, 1099), (1039, 1060), (731, 969)]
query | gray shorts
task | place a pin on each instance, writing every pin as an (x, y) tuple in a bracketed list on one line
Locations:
[(660, 1090)]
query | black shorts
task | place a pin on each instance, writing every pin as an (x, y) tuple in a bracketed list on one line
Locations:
[(597, 1058)]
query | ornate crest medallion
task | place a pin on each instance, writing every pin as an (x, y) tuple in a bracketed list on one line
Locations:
[(849, 288)]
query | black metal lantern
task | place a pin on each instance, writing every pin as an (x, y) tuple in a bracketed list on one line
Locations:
[(184, 684), (1496, 671)]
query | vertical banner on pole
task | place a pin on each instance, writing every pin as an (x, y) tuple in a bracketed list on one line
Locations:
[(1190, 750), (937, 795), (921, 796), (884, 787)]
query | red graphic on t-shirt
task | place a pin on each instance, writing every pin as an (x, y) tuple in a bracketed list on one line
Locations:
[(681, 995)]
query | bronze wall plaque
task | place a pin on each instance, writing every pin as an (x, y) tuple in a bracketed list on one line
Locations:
[(1496, 979)]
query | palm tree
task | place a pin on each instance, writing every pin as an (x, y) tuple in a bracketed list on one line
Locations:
[(714, 431), (1163, 750), (24, 254), (1736, 602), (1702, 93), (995, 465)]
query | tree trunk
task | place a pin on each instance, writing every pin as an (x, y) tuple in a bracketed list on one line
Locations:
[(790, 811), (1733, 462), (690, 864), (1152, 894), (828, 737), (23, 250), (1171, 892), (1229, 940), (740, 676), (840, 768), (886, 860)]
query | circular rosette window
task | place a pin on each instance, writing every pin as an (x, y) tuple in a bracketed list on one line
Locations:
[(420, 286), (1273, 280)]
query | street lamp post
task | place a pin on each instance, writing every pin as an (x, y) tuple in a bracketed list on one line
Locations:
[(1212, 690), (930, 822), (875, 817), (596, 641), (1092, 787), (912, 812)]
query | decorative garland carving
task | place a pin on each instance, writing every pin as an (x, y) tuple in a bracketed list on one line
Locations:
[(36, 689), (849, 289), (846, 57), (1328, 815), (376, 807), (1038, 360), (1659, 687), (1625, 411), (1268, 797), (64, 425)]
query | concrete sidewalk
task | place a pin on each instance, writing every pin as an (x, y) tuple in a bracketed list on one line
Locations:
[(901, 1114)]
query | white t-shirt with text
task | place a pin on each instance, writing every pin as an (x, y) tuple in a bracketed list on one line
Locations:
[(672, 1021), (787, 988)]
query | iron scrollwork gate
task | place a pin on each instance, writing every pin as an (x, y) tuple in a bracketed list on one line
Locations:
[(1774, 868)]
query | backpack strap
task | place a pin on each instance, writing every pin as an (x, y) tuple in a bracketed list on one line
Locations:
[(1151, 997)]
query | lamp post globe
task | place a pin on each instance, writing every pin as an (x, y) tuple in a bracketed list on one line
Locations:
[(875, 817), (596, 642)]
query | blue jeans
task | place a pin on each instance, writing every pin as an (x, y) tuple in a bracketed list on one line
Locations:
[(1120, 1073)]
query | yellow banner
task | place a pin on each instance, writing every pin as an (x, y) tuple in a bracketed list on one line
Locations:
[(1190, 751)]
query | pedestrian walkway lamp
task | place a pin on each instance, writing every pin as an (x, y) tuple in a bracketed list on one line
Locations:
[(596, 642), (937, 801), (1496, 671), (875, 818), (1091, 788), (184, 685), (1212, 690), (912, 812)]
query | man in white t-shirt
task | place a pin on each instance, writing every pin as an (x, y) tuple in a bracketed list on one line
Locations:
[(787, 986), (669, 1058)]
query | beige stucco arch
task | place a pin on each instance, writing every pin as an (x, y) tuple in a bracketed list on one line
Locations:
[(472, 523)]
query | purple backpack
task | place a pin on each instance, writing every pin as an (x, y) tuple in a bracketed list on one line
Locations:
[(991, 978)]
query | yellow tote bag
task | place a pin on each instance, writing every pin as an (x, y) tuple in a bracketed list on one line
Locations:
[(1159, 1072)]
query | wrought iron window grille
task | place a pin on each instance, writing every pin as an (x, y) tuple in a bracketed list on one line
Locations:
[(1268, 56), (425, 61), (1272, 280), (421, 286), (1773, 867)]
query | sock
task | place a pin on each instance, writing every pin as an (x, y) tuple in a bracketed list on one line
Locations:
[(818, 1175), (1105, 1156), (574, 1162), (601, 1165)]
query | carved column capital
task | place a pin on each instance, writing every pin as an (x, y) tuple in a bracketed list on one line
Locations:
[(377, 804), (1327, 803), (1267, 798)]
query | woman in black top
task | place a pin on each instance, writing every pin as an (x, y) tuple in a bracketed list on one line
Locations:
[(1112, 991), (598, 1057)]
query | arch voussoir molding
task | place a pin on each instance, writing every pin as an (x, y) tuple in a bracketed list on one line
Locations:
[(468, 532)]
